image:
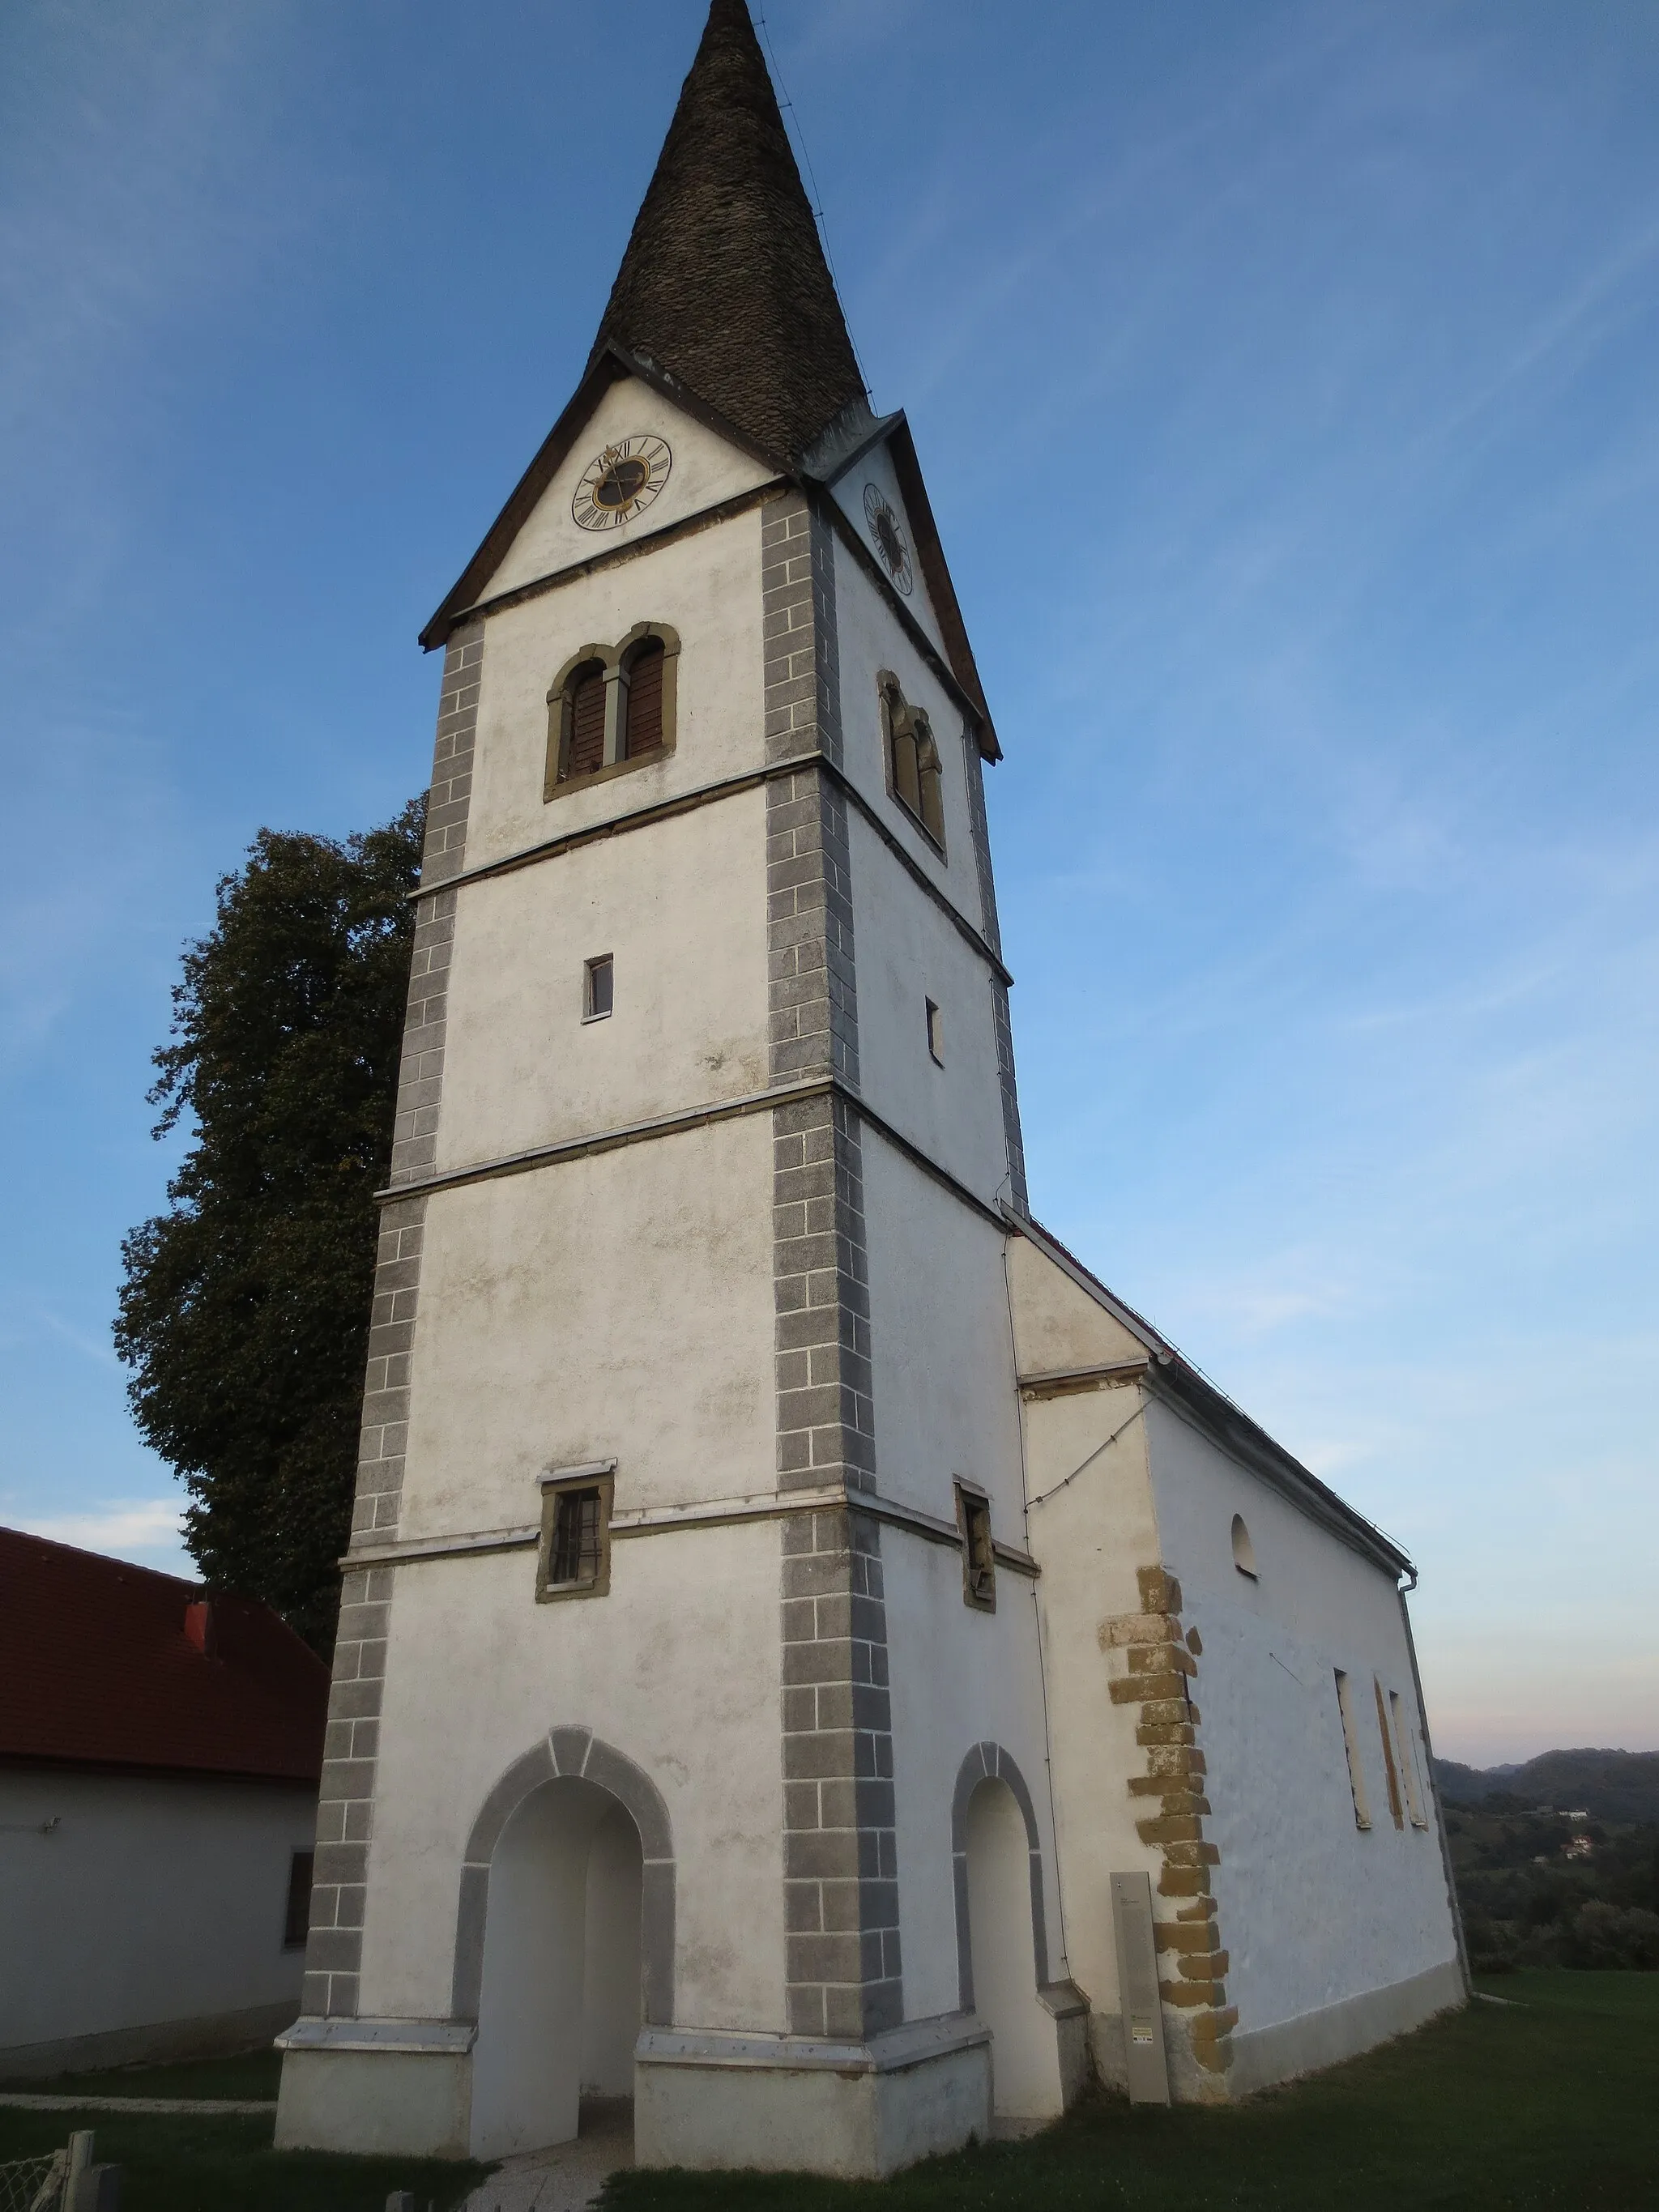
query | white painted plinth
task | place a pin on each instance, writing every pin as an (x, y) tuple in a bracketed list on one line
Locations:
[(856, 2109), (376, 2088)]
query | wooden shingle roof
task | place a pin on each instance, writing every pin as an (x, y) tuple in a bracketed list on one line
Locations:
[(724, 285)]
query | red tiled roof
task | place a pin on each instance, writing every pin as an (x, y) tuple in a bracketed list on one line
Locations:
[(97, 1668)]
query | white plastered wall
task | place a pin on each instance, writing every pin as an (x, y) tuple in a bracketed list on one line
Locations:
[(908, 953), (149, 1900), (647, 1670), (1314, 1912), (706, 469), (944, 1407), (618, 1306), (1092, 1528), (706, 588), (959, 1677), (869, 639), (877, 468), (681, 910), (941, 1355)]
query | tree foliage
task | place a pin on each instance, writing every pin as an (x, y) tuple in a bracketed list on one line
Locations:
[(245, 1307)]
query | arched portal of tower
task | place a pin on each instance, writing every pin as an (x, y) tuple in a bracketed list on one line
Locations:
[(1001, 1946), (560, 2004)]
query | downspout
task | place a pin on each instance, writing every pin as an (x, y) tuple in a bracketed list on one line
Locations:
[(1434, 1790)]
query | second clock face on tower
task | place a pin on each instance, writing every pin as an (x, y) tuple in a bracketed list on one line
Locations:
[(621, 481), (889, 533)]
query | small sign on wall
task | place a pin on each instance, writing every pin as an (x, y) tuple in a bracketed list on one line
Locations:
[(1145, 2063)]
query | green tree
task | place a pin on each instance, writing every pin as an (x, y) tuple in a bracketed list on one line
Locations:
[(245, 1307)]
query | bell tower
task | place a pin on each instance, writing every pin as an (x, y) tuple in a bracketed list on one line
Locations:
[(688, 1600)]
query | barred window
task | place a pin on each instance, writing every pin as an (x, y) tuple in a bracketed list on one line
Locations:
[(576, 1545)]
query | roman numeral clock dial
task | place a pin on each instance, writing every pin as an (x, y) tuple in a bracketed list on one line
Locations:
[(888, 532), (620, 482)]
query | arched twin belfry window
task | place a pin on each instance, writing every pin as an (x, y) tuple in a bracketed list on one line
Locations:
[(914, 773), (611, 707)]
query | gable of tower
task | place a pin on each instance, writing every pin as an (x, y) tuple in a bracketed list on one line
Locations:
[(869, 494), (701, 470)]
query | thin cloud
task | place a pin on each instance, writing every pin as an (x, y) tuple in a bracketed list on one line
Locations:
[(120, 1528)]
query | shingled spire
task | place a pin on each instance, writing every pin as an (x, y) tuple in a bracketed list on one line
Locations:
[(724, 285)]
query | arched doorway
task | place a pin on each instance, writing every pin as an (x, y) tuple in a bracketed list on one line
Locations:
[(1001, 1941), (565, 1941)]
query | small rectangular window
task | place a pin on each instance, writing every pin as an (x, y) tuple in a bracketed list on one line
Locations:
[(297, 1920), (1362, 1814), (1402, 1737), (979, 1559), (575, 1546), (598, 987), (935, 1032)]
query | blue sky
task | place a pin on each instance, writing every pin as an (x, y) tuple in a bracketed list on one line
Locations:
[(1285, 377)]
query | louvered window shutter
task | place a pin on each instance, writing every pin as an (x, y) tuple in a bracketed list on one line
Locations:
[(587, 721), (645, 700)]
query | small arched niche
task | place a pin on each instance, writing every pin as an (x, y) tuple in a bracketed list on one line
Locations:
[(1243, 1549)]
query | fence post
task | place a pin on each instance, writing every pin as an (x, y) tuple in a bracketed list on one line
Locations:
[(80, 2158)]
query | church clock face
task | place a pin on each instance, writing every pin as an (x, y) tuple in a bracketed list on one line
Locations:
[(620, 482), (888, 532)]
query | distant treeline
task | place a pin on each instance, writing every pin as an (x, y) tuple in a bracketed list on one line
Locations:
[(1557, 1861), (1611, 1785)]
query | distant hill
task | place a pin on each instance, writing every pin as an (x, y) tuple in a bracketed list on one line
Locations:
[(1611, 1785)]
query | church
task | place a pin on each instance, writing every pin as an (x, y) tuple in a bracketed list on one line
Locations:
[(812, 1661)]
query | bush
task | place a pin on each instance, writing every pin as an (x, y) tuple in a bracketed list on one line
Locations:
[(1614, 1935)]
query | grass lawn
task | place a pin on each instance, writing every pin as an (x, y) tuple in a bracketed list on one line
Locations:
[(251, 2074), (186, 2162), (1549, 2105)]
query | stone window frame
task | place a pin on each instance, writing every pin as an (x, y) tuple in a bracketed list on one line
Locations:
[(614, 660), (903, 722), (591, 968), (979, 1583), (559, 1482)]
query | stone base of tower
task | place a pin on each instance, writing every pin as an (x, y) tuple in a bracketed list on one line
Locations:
[(859, 2110), (701, 2098), (395, 2088)]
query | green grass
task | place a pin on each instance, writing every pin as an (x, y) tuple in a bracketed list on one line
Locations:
[(181, 2163), (248, 2074), (1545, 2106), (1567, 1988)]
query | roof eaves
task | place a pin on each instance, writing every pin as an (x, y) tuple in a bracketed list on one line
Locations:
[(1173, 1375), (1230, 1425)]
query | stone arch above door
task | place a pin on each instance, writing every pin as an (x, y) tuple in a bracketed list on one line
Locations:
[(578, 1752), (989, 1762)]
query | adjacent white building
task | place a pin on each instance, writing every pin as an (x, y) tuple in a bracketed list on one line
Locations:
[(812, 1660), (159, 1756)]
